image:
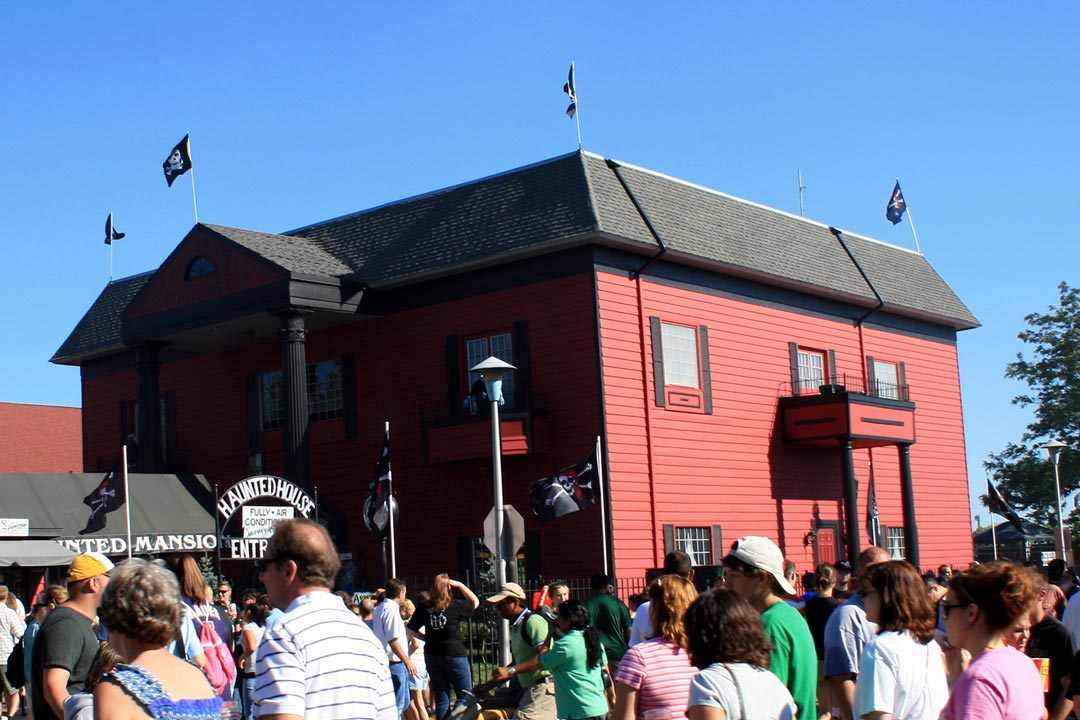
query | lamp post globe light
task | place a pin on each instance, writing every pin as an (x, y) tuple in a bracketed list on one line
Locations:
[(1053, 448), (493, 371)]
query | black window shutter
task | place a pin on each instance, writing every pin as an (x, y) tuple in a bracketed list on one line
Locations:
[(832, 377), (453, 374), (168, 453), (523, 361), (706, 371), (253, 424), (658, 361), (870, 375), (901, 380), (348, 395), (669, 539), (124, 414), (717, 544), (793, 353)]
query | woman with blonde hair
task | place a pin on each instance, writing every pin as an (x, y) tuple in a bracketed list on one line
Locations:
[(980, 608), (655, 674), (141, 608), (444, 652)]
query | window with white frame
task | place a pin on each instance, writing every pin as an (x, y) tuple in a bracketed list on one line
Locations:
[(477, 350), (811, 369), (886, 380), (894, 539), (695, 542), (680, 346)]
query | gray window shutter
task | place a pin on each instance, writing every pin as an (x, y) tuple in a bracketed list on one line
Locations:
[(706, 371), (348, 395), (253, 424), (453, 375), (901, 380), (717, 544), (168, 453), (793, 353), (124, 414), (832, 377), (669, 538), (658, 361)]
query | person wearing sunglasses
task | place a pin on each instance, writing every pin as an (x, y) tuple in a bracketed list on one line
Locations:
[(319, 661), (980, 608)]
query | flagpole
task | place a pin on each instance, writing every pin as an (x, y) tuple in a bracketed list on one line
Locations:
[(577, 111), (603, 504), (110, 262), (993, 527), (127, 497), (390, 507), (194, 202), (911, 222)]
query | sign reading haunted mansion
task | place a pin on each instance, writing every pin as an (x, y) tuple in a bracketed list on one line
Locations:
[(243, 538)]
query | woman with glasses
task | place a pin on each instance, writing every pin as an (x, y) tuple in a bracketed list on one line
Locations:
[(901, 669), (980, 608)]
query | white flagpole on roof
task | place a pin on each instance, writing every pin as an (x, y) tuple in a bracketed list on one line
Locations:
[(127, 497), (993, 528), (603, 503), (194, 202), (577, 115), (911, 222)]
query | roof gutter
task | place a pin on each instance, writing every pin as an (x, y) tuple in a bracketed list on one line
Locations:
[(865, 277), (617, 169)]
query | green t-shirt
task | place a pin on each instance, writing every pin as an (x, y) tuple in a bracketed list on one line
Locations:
[(794, 659), (611, 619), (527, 633), (579, 690)]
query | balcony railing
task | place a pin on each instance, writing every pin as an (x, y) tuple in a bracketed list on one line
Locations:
[(844, 383)]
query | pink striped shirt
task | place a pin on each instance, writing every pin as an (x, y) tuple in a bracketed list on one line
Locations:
[(661, 672)]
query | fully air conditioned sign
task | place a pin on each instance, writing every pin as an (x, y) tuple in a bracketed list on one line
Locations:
[(257, 521)]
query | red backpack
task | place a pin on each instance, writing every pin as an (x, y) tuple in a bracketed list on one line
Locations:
[(220, 667)]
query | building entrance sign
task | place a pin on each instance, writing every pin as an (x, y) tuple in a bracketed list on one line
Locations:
[(264, 486)]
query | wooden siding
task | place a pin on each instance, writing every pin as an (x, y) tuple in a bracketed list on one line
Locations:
[(400, 366), (732, 468)]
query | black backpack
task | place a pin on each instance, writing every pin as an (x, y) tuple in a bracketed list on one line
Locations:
[(16, 672)]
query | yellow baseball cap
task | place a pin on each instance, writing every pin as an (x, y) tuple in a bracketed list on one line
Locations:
[(88, 565)]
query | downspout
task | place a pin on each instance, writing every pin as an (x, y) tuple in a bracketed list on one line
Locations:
[(617, 169), (868, 313), (636, 276)]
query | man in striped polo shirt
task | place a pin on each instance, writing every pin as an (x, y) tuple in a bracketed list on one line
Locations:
[(319, 661)]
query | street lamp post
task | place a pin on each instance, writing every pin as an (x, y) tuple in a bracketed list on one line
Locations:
[(493, 370), (1053, 448)]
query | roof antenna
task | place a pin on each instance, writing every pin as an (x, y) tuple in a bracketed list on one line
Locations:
[(802, 195)]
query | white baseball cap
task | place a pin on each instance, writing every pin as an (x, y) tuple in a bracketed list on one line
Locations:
[(763, 554)]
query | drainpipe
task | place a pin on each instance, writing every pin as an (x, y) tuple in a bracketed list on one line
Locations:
[(617, 169)]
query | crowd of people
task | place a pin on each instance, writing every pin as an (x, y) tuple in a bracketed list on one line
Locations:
[(877, 640)]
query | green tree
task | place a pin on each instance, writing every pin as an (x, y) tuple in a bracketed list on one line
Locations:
[(1051, 373)]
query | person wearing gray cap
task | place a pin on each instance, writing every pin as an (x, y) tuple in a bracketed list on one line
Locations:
[(755, 570)]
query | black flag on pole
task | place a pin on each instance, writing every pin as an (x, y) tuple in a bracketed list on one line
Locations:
[(179, 160), (998, 506), (111, 233), (873, 519), (894, 212), (106, 497), (570, 489), (570, 89), (378, 501)]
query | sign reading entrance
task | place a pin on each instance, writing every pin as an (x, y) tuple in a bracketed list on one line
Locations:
[(259, 520)]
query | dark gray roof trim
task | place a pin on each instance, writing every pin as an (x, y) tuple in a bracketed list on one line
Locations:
[(98, 333)]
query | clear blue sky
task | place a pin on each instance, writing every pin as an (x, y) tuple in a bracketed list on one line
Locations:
[(303, 112)]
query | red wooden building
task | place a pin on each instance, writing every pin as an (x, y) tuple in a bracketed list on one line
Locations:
[(749, 371)]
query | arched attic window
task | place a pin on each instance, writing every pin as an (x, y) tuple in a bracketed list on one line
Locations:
[(199, 267)]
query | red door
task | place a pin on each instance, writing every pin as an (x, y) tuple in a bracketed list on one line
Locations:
[(825, 545)]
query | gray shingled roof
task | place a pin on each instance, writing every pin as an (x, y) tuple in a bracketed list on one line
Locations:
[(98, 333), (570, 200), (293, 254)]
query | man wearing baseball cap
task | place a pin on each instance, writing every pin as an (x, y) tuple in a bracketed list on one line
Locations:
[(66, 644), (755, 570), (528, 641)]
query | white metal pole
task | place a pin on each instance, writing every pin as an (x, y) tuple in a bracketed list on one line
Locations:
[(127, 497), (390, 506), (911, 222), (500, 541), (603, 504), (1057, 487)]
